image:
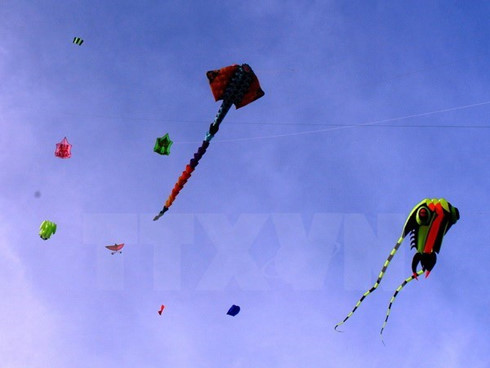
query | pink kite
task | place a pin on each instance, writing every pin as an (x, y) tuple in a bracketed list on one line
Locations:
[(161, 309), (63, 149), (115, 248)]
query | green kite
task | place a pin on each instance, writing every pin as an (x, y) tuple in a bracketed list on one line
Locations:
[(426, 224), (162, 145), (47, 229)]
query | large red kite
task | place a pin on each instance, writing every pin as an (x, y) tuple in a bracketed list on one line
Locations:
[(235, 85)]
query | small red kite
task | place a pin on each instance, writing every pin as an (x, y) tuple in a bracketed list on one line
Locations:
[(161, 309), (115, 248), (63, 149)]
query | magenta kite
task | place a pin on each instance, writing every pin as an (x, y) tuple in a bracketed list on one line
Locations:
[(63, 149)]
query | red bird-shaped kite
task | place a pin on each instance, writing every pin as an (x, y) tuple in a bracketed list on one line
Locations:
[(115, 248)]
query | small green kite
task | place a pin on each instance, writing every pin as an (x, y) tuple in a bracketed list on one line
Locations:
[(47, 229), (162, 145)]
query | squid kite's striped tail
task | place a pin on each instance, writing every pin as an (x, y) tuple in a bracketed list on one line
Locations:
[(376, 284), (398, 289)]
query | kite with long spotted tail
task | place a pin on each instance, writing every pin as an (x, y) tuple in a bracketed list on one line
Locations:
[(427, 224), (235, 85)]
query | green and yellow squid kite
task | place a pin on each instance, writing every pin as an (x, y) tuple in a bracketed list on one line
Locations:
[(427, 224)]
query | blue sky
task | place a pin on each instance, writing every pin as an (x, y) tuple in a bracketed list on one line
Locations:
[(368, 109)]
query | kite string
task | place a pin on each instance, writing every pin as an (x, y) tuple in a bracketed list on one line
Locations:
[(330, 128), (375, 122)]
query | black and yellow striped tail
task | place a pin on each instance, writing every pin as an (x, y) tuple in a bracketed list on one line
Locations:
[(78, 41), (376, 284), (398, 289)]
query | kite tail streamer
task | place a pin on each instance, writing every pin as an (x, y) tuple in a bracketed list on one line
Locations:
[(214, 127), (376, 284), (186, 174), (398, 289)]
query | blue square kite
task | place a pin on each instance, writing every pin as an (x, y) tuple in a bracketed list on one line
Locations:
[(233, 311)]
